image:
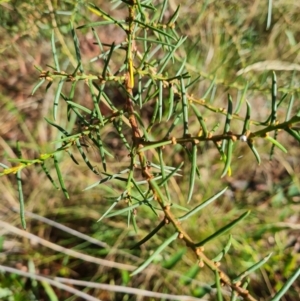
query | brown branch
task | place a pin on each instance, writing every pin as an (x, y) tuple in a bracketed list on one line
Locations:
[(138, 144)]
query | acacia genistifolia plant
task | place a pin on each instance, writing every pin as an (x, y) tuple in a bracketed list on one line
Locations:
[(149, 121)]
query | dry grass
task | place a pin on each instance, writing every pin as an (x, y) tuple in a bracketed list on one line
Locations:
[(227, 40)]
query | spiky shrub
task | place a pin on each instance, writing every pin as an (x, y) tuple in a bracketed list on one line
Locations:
[(140, 110)]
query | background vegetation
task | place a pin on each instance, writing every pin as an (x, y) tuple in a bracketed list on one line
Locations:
[(227, 42)]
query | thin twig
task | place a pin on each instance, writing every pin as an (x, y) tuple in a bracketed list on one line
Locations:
[(55, 283)]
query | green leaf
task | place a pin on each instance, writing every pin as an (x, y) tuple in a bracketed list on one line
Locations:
[(77, 47), (242, 98), (171, 262), (223, 230), (56, 98), (246, 126), (149, 235), (174, 17), (273, 115), (293, 133), (160, 100), (255, 152), (202, 205), (60, 178), (251, 269), (192, 176), (224, 251), (48, 175), (37, 85), (78, 106), (20, 191), (276, 143), (143, 24), (200, 119), (228, 159), (54, 53), (173, 172), (155, 253), (157, 190), (62, 130), (190, 275), (184, 108)]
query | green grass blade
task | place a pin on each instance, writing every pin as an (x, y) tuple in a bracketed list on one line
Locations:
[(269, 18), (155, 253), (223, 230), (60, 178), (218, 286), (202, 205), (286, 286), (49, 291), (20, 190)]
